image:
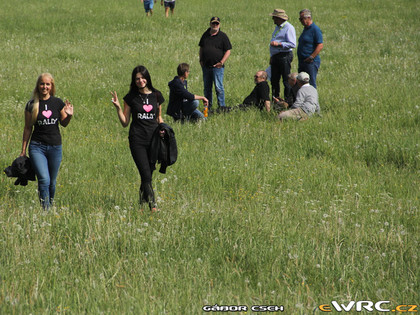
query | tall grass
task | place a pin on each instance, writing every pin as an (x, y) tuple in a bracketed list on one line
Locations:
[(253, 212)]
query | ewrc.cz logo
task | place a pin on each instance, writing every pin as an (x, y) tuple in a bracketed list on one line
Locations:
[(366, 305)]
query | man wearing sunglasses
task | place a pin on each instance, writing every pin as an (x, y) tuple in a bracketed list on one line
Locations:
[(260, 95), (310, 45), (215, 49)]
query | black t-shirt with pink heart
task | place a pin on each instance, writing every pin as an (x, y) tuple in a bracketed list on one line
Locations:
[(144, 113), (46, 130)]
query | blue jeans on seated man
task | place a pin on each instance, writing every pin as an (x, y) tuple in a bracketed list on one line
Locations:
[(46, 160), (215, 75), (190, 110), (310, 68)]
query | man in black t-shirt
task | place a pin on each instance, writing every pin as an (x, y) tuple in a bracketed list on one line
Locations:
[(214, 51), (260, 95)]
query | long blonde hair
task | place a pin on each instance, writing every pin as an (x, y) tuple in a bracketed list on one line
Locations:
[(34, 109)]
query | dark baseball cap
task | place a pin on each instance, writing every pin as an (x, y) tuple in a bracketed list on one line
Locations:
[(214, 19)]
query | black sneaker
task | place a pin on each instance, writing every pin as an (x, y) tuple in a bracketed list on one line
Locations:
[(224, 109)]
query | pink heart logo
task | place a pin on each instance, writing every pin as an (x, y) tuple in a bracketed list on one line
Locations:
[(47, 113), (147, 108)]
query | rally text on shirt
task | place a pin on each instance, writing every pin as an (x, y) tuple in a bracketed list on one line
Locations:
[(147, 108), (48, 121)]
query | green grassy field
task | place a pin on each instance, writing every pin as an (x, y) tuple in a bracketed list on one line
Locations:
[(254, 212)]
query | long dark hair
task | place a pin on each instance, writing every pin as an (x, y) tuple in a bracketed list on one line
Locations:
[(145, 73)]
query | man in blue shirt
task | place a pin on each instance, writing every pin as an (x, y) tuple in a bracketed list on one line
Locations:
[(310, 45), (283, 40)]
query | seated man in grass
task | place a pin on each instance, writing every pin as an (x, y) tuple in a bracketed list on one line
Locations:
[(306, 103), (183, 104), (260, 95)]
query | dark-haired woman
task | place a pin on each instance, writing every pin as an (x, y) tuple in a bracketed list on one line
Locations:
[(43, 113), (143, 105)]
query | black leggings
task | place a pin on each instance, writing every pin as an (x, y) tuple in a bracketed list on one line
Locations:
[(140, 153)]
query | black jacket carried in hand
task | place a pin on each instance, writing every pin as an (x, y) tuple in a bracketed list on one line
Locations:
[(163, 149), (22, 169)]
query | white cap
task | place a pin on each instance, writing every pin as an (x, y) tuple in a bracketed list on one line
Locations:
[(303, 77)]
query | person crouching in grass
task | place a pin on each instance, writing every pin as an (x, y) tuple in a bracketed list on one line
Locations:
[(183, 104)]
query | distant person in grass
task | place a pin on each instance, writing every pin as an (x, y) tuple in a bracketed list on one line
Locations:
[(306, 103), (43, 113), (183, 104), (214, 51), (143, 104), (260, 95), (148, 6), (310, 45), (169, 5), (283, 40), (288, 102)]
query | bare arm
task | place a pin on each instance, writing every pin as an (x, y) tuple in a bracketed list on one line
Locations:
[(123, 115), (159, 117), (222, 62), (27, 132), (315, 53), (267, 106), (66, 114), (202, 98), (317, 50)]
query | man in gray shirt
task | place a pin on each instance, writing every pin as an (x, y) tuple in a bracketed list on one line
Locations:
[(306, 103)]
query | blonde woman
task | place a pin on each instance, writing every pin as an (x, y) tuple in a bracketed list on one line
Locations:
[(43, 113)]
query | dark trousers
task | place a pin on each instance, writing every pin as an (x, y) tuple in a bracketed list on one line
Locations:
[(140, 153), (281, 64)]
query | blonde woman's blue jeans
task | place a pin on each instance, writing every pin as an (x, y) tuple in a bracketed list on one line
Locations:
[(46, 160)]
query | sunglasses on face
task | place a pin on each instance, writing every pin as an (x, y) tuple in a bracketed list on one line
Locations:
[(215, 23)]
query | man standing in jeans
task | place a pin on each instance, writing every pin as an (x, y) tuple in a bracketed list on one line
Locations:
[(310, 45), (281, 44), (214, 51)]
